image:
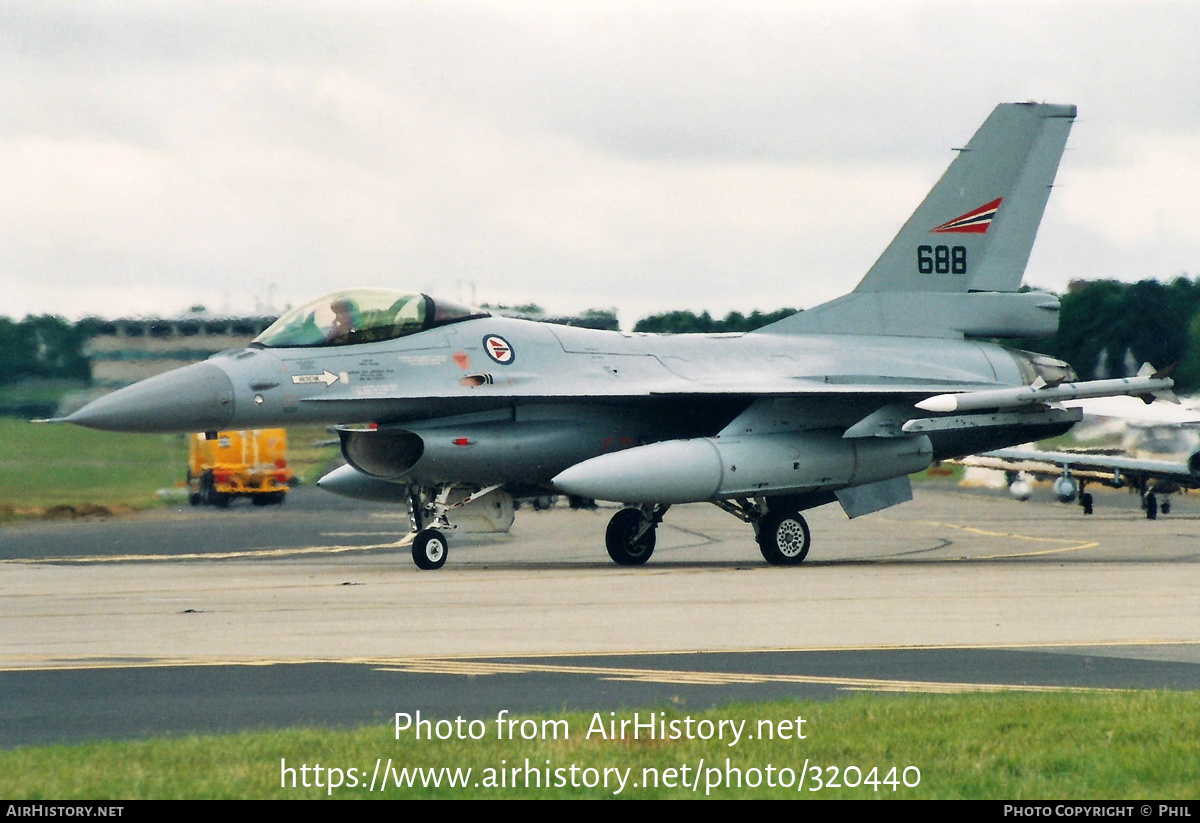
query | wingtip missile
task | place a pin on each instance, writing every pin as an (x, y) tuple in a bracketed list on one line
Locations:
[(940, 403)]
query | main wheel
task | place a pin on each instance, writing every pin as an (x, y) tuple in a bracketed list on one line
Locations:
[(624, 546), (1085, 500), (429, 549), (783, 538), (1151, 507)]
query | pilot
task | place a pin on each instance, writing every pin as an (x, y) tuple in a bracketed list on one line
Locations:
[(344, 324)]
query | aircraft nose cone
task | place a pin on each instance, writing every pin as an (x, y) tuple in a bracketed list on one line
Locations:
[(195, 398)]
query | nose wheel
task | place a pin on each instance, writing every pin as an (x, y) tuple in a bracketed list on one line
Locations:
[(429, 549)]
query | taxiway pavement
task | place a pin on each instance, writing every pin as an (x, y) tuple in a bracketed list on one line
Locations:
[(310, 613)]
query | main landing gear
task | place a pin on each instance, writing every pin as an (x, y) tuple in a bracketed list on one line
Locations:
[(1156, 499), (783, 538), (780, 530), (1150, 504), (630, 536)]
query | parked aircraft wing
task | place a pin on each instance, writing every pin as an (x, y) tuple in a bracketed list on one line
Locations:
[(1073, 471), (1137, 412), (1100, 466)]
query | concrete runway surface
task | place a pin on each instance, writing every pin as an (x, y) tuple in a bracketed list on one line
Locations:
[(200, 620)]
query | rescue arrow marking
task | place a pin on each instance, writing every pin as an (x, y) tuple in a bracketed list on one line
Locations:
[(328, 378)]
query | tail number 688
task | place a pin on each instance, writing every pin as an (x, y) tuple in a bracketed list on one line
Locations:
[(942, 259)]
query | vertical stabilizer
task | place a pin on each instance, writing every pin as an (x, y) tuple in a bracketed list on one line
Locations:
[(953, 268), (975, 229)]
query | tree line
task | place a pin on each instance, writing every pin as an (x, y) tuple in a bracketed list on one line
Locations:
[(42, 346)]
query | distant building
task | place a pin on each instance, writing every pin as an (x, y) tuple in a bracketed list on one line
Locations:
[(128, 350)]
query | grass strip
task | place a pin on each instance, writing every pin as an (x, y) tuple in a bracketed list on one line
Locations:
[(51, 469), (1012, 746)]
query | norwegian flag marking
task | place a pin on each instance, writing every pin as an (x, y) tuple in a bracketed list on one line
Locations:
[(976, 221), (498, 348)]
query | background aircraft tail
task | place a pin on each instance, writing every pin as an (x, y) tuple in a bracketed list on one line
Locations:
[(953, 267)]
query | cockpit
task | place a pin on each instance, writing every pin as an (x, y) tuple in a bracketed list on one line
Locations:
[(346, 318)]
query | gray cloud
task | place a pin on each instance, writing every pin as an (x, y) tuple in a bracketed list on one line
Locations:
[(720, 155)]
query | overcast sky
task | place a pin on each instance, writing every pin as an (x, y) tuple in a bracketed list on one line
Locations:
[(644, 156)]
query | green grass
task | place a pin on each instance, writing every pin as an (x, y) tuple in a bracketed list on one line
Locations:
[(310, 451), (1122, 745), (44, 466)]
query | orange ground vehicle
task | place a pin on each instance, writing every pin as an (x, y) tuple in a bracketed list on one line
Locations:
[(238, 464)]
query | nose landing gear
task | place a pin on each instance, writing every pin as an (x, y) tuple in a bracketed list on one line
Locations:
[(430, 547)]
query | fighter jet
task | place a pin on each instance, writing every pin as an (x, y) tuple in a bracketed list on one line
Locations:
[(439, 405), (1074, 471), (1162, 458)]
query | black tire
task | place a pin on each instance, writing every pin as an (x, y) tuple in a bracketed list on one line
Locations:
[(783, 538), (209, 496), (1085, 500), (1165, 506), (1151, 507), (429, 549), (619, 538)]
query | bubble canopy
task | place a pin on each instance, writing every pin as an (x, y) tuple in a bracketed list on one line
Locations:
[(346, 318)]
